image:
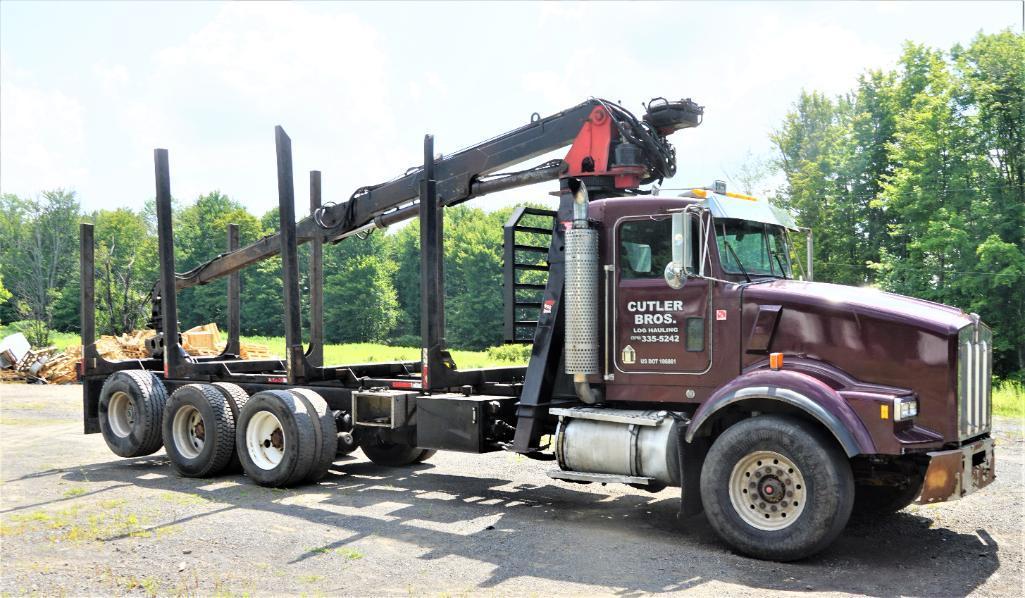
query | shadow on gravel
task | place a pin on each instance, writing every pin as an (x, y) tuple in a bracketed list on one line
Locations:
[(633, 543)]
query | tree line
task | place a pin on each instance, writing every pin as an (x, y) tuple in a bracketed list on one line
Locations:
[(371, 284), (913, 181)]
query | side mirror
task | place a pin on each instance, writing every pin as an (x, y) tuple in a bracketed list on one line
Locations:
[(683, 260)]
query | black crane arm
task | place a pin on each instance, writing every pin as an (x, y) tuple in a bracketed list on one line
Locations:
[(607, 140)]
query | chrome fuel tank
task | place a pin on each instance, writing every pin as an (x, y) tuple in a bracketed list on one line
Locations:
[(642, 444)]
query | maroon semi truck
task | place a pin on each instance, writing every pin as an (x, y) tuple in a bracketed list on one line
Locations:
[(673, 345)]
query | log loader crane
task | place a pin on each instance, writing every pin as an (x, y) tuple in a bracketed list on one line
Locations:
[(672, 346)]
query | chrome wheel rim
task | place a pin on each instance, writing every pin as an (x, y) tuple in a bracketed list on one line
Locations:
[(189, 432), (121, 414), (767, 490), (265, 440)]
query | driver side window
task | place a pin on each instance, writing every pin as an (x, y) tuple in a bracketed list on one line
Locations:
[(645, 247)]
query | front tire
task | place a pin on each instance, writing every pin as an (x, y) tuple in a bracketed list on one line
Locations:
[(777, 487)]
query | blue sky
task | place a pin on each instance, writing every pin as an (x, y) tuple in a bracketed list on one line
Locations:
[(87, 90)]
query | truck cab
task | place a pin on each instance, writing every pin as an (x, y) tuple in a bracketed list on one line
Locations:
[(703, 317)]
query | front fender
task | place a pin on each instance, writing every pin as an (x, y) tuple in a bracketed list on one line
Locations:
[(810, 395)]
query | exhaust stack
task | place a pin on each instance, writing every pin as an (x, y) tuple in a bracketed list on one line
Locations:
[(581, 302)]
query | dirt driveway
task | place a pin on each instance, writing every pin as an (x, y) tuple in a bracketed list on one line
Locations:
[(78, 520)]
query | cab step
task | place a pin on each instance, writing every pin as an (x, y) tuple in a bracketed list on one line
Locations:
[(602, 478)]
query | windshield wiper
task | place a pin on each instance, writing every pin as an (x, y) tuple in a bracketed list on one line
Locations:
[(782, 269), (739, 263)]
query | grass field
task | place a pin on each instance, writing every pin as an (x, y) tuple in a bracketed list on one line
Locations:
[(370, 352), (1009, 399), (351, 353), (61, 340)]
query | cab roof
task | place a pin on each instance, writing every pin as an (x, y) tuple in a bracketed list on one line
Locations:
[(746, 207)]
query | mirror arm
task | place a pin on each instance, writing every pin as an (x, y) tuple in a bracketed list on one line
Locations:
[(677, 270)]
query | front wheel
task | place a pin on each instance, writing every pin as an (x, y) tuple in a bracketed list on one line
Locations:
[(777, 487)]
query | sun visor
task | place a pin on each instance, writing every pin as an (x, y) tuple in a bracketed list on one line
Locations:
[(755, 210)]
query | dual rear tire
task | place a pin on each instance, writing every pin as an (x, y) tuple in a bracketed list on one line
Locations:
[(199, 429), (131, 408), (278, 438), (286, 437)]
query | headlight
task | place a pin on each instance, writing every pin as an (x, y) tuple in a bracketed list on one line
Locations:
[(905, 408)]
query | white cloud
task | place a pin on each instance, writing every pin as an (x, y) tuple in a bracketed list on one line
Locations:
[(356, 86), (42, 137)]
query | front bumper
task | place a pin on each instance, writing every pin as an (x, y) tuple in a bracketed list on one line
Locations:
[(957, 473)]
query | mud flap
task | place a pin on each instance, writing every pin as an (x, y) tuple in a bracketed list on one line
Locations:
[(692, 456)]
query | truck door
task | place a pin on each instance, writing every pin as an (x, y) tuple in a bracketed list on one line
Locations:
[(657, 330)]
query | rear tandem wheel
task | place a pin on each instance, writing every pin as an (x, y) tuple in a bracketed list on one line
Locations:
[(275, 439)]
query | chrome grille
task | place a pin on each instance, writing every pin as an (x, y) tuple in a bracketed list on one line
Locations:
[(974, 373)]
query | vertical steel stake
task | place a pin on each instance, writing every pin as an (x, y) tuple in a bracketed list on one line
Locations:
[(289, 258), (165, 245), (315, 352), (432, 276), (234, 298), (87, 266)]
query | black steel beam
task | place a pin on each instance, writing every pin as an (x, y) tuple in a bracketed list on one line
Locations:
[(289, 258), (173, 354), (87, 290), (432, 275), (315, 352), (232, 347), (457, 179)]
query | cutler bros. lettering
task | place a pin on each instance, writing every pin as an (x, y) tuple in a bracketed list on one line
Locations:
[(653, 312)]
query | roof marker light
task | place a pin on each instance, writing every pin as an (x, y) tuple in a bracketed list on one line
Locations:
[(740, 196)]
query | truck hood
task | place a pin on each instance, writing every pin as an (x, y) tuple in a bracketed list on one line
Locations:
[(861, 301)]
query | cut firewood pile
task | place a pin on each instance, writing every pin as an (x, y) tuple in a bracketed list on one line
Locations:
[(19, 362), (206, 340)]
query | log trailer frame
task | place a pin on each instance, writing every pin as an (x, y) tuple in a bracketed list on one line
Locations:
[(774, 455)]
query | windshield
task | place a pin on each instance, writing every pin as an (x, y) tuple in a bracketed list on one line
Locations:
[(761, 248)]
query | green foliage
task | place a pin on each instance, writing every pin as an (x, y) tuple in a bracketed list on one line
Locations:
[(5, 295), (473, 277), (510, 353), (1009, 399), (38, 254), (915, 181), (201, 233), (126, 268), (405, 252), (360, 304)]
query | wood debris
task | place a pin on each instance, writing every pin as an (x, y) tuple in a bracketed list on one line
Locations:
[(50, 366)]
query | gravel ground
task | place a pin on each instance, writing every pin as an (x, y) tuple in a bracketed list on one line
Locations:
[(78, 520)]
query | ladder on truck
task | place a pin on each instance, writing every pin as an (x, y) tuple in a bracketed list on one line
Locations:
[(522, 289)]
